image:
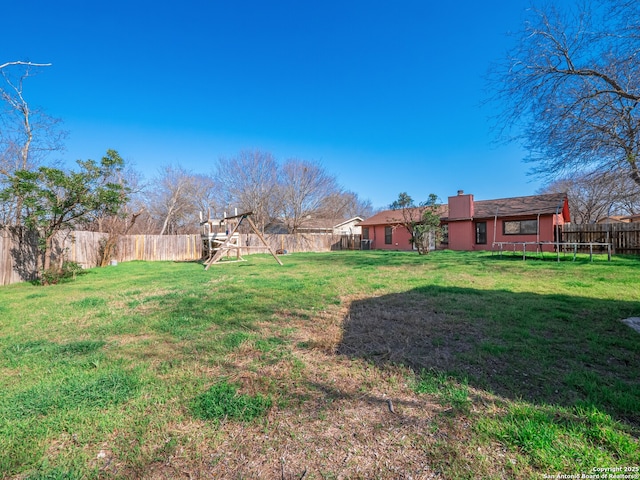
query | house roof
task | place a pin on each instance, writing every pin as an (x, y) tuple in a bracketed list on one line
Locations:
[(317, 224), (503, 207), (613, 219), (321, 223), (346, 222), (394, 217), (515, 206)]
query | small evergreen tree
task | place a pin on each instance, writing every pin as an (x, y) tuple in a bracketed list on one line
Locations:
[(55, 200)]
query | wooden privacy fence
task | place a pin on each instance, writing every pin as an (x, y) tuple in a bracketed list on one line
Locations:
[(18, 255), (624, 237), (159, 247), (79, 246), (19, 248), (310, 242), (19, 252)]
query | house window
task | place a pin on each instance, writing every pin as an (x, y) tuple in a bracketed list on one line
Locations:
[(520, 227), (388, 235), (481, 233), (445, 233), (365, 233)]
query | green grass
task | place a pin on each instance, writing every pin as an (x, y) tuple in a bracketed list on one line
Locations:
[(562, 438), (449, 391), (222, 401), (497, 368)]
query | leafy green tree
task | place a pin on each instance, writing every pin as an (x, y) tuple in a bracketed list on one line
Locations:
[(422, 221), (55, 200)]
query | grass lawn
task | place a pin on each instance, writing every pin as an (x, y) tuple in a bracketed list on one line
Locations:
[(337, 365)]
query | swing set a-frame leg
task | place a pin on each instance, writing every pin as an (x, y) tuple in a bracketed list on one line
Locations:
[(257, 232)]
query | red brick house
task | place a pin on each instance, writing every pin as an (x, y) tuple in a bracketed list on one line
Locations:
[(385, 230), (476, 225)]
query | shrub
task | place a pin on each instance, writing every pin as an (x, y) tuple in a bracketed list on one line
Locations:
[(54, 275)]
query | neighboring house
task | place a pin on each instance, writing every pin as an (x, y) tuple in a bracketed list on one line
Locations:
[(631, 218), (319, 225), (476, 225), (613, 219), (348, 227)]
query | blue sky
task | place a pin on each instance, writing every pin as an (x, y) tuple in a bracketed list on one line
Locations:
[(387, 96)]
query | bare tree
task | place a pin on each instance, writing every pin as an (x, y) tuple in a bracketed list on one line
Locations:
[(115, 226), (345, 205), (570, 89), (304, 187), (171, 202), (206, 194), (249, 181), (26, 64), (27, 134), (593, 196), (628, 203)]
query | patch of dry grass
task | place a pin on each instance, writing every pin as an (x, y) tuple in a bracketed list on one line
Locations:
[(334, 418)]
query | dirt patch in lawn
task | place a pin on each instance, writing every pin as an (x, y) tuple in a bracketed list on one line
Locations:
[(341, 420), (406, 329)]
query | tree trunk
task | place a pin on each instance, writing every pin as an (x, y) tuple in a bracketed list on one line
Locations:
[(48, 249)]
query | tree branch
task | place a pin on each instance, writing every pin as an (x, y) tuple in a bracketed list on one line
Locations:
[(28, 64)]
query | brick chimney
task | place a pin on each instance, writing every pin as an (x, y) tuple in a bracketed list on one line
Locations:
[(461, 206)]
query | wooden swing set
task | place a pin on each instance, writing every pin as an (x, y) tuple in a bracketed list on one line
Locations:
[(218, 245)]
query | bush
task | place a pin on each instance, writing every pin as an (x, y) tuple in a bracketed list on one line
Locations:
[(54, 275)]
